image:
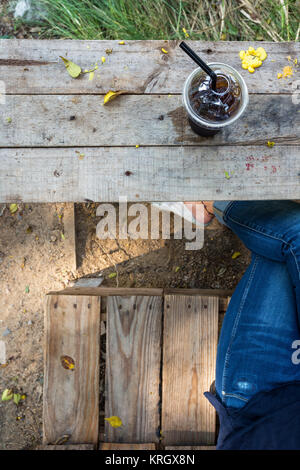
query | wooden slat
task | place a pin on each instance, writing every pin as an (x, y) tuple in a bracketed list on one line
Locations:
[(189, 361), (71, 397), (67, 447), (190, 448), (133, 367), (118, 446), (67, 121), (104, 291), (34, 67), (149, 174)]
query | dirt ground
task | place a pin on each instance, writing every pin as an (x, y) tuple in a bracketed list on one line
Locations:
[(34, 261)]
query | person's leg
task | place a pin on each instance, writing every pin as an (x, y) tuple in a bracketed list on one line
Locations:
[(260, 325), (270, 229)]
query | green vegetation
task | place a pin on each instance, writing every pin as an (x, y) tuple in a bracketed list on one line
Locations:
[(273, 20)]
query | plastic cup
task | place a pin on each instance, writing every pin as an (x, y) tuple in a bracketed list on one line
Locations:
[(201, 124)]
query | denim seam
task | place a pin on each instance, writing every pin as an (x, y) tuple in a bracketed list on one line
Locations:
[(228, 353), (270, 236), (236, 396)]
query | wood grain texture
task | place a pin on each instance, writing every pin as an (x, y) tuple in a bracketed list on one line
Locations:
[(69, 121), (119, 446), (150, 174), (189, 361), (104, 291), (71, 397), (133, 368), (67, 447), (34, 67)]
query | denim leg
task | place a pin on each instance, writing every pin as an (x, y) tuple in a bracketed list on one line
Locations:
[(270, 229), (260, 325)]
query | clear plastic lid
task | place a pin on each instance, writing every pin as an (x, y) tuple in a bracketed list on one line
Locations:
[(219, 108)]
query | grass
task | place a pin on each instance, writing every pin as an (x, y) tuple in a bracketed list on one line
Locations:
[(275, 20)]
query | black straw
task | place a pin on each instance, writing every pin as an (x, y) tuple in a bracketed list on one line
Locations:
[(200, 62)]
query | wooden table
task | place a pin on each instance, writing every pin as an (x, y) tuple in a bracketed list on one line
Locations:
[(160, 358), (59, 144)]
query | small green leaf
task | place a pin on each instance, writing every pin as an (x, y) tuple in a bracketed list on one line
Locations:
[(236, 254), (7, 395), (112, 275), (63, 236), (227, 175), (177, 269), (27, 290), (17, 398)]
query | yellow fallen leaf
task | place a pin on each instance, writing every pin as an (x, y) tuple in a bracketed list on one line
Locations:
[(114, 421), (121, 43), (111, 95), (177, 269), (164, 50), (103, 59), (73, 69), (137, 146), (270, 144), (8, 120), (7, 395), (63, 236), (279, 75), (91, 76), (13, 208), (236, 254), (67, 362), (287, 71)]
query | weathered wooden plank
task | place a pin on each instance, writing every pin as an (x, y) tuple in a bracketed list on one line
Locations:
[(67, 447), (34, 67), (104, 291), (119, 446), (149, 174), (189, 360), (70, 121), (71, 397), (133, 368)]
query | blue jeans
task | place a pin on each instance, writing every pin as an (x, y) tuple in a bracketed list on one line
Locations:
[(263, 317)]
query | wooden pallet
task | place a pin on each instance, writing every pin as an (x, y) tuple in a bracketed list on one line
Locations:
[(160, 358)]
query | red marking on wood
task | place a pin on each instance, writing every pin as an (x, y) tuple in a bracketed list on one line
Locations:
[(249, 165), (274, 169)]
